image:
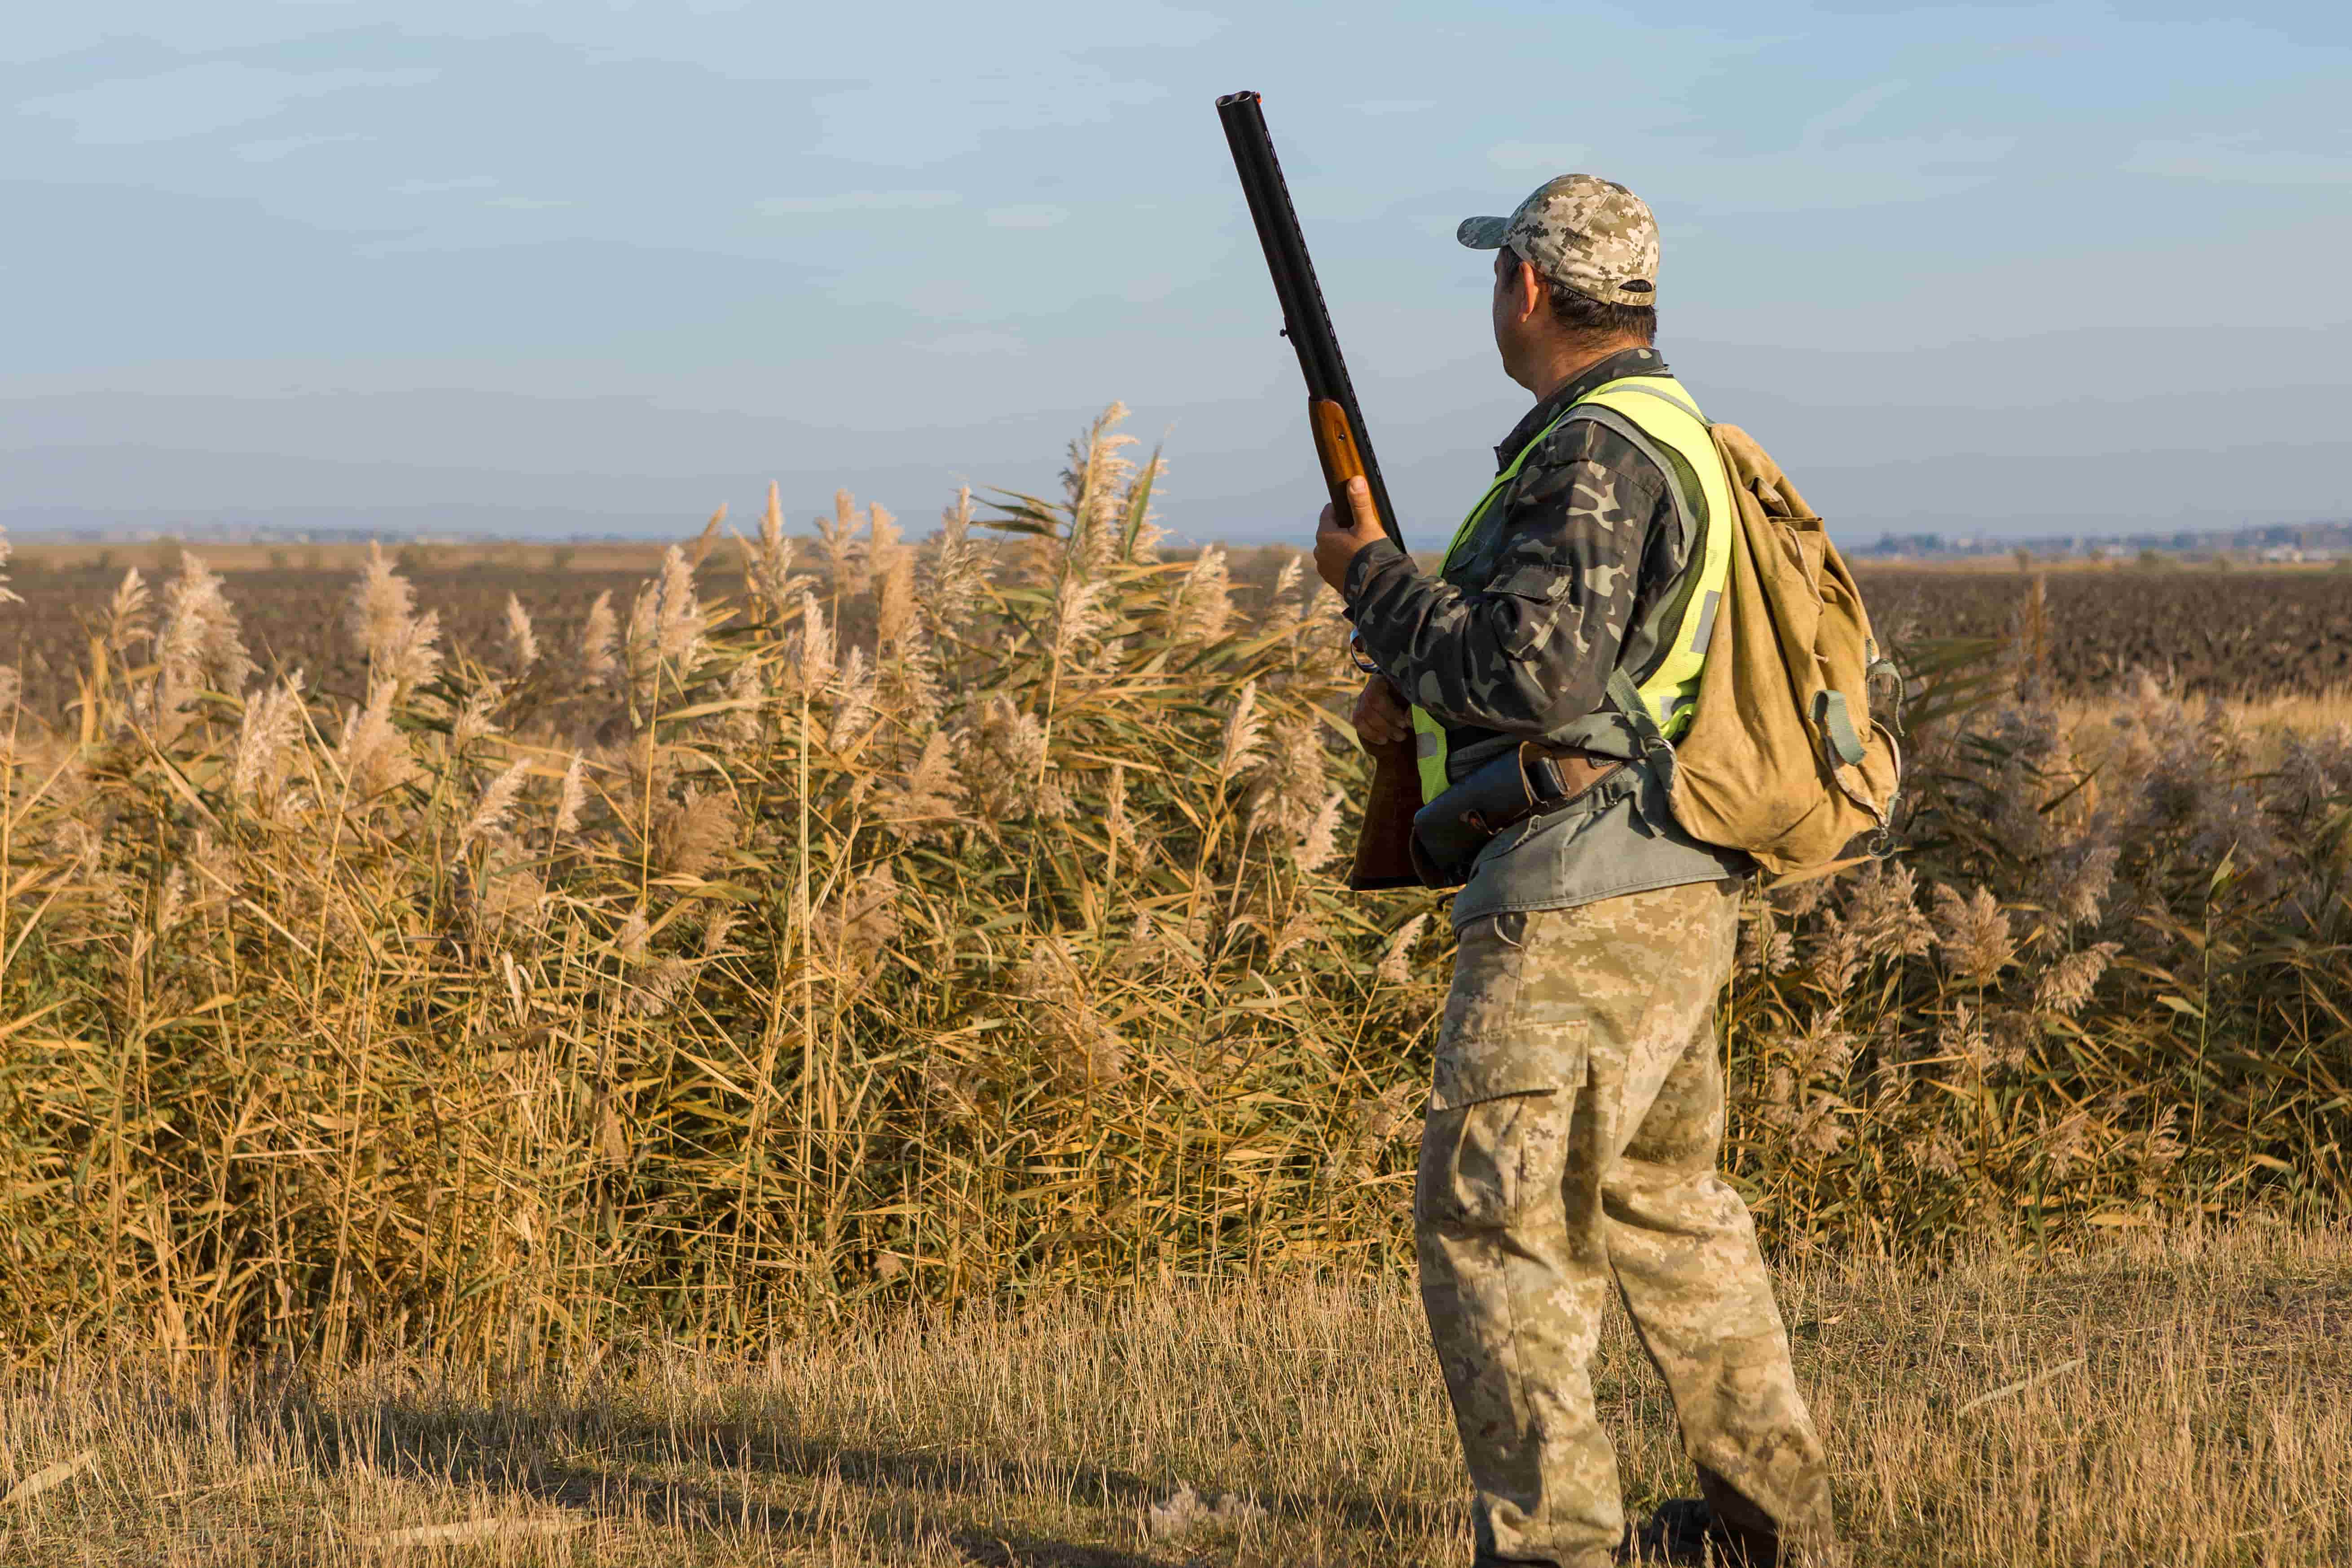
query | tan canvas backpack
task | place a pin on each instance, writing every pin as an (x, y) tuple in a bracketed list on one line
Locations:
[(1783, 758)]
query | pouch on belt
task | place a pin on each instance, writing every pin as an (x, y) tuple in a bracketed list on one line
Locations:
[(1530, 780)]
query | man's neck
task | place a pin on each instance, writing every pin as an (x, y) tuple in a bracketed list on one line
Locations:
[(1567, 363)]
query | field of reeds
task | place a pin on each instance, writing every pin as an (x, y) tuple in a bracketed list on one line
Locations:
[(695, 970)]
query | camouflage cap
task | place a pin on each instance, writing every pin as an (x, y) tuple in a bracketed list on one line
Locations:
[(1591, 234)]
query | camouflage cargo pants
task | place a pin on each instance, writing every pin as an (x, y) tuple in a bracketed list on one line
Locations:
[(1573, 1134)]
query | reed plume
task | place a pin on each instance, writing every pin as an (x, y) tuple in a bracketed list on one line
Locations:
[(522, 642)]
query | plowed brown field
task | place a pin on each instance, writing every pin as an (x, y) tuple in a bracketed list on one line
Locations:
[(2224, 634), (2249, 634), (292, 612)]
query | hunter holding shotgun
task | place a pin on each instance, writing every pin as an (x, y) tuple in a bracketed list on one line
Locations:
[(1638, 631), (1579, 1105)]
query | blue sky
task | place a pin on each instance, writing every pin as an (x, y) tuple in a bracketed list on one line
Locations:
[(2007, 268)]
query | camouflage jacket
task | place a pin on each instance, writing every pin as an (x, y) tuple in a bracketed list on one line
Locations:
[(1517, 638)]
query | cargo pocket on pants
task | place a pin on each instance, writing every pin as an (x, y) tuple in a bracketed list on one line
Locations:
[(1508, 1066), (1481, 1163)]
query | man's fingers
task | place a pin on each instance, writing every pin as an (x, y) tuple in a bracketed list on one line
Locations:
[(1360, 503), (1381, 714)]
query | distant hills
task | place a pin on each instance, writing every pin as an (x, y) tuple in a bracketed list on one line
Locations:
[(454, 524), (2281, 541)]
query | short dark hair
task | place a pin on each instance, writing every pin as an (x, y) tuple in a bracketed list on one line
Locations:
[(1586, 317)]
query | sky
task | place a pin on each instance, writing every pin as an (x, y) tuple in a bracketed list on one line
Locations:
[(593, 265)]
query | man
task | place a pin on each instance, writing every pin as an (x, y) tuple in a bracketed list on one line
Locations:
[(1578, 1111)]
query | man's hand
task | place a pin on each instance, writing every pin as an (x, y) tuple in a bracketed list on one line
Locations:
[(1336, 546), (1382, 718)]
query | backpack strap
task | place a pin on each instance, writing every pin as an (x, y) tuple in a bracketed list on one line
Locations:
[(1633, 384), (1656, 750), (1836, 725)]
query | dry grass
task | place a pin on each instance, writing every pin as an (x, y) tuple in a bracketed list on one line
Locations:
[(2184, 1402)]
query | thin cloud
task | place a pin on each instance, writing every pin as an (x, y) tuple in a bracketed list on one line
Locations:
[(271, 150), (1517, 157), (979, 342), (1851, 112), (193, 100), (1857, 174), (435, 187), (526, 204), (2230, 160), (1036, 217), (855, 202)]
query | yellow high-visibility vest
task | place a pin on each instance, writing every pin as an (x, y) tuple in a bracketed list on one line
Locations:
[(1668, 417)]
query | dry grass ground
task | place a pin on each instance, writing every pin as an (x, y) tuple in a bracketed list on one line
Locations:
[(2180, 1402)]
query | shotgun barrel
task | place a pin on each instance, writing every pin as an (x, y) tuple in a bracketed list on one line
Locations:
[(1305, 319)]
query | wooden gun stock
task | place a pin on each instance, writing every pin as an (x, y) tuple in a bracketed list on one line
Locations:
[(1385, 844), (1335, 444)]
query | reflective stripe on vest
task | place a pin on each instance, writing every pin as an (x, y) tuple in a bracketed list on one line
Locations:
[(1658, 407)]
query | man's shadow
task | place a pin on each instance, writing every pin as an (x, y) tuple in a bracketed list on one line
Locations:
[(499, 1451)]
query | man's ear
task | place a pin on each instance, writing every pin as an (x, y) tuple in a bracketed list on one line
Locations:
[(1531, 291)]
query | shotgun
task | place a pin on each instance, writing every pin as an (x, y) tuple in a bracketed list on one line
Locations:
[(1384, 843)]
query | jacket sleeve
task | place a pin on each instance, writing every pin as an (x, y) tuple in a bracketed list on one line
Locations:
[(1530, 649)]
